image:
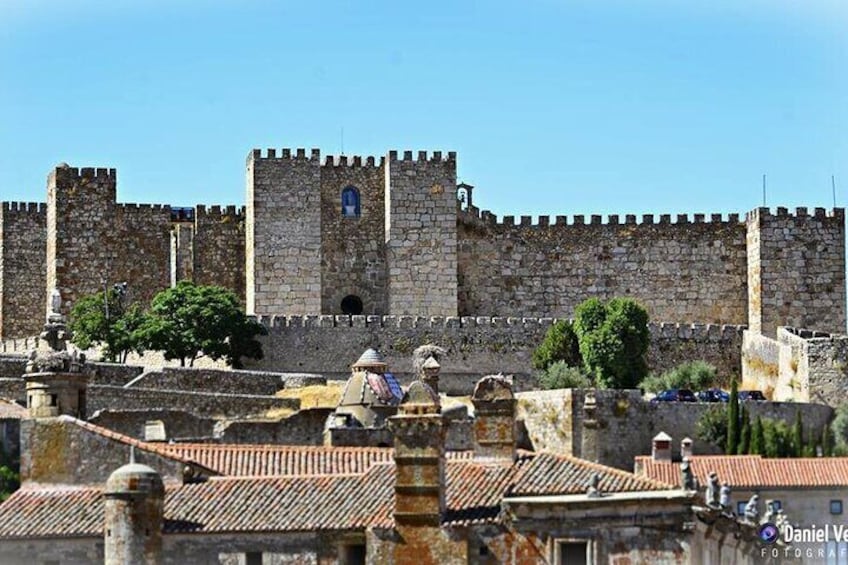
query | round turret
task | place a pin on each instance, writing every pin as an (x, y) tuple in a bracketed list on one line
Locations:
[(134, 502)]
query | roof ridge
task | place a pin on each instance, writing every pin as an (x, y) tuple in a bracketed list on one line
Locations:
[(601, 467)]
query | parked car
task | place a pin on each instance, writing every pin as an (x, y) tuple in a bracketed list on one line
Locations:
[(713, 395), (675, 395), (751, 395)]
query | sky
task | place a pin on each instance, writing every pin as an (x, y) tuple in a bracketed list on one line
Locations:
[(554, 107)]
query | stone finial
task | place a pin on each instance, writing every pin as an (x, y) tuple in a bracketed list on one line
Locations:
[(712, 494), (752, 509), (724, 497), (687, 477), (593, 491), (55, 306), (422, 354), (430, 373)]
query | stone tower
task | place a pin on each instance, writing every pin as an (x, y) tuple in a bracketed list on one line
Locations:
[(134, 506), (796, 270), (421, 234), (283, 233)]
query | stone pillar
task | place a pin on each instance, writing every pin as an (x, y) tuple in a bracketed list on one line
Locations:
[(182, 252), (494, 418), (686, 448), (134, 504), (419, 433)]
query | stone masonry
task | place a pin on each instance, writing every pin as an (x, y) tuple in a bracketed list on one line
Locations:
[(412, 248)]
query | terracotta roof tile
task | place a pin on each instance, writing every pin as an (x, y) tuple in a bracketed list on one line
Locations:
[(754, 471)]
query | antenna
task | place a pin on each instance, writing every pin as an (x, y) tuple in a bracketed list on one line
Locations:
[(342, 135), (833, 188), (764, 190), (132, 454)]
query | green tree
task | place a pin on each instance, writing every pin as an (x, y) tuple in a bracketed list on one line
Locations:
[(826, 442), (613, 340), (104, 319), (711, 427), (560, 375), (797, 445), (560, 344), (777, 440), (694, 375), (839, 429), (745, 433), (733, 420), (189, 321), (10, 479), (757, 445)]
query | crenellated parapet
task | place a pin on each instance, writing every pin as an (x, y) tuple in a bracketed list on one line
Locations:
[(474, 215), (218, 212), (353, 162), (286, 153), (24, 207)]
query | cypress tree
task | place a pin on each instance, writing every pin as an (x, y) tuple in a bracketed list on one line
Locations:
[(826, 443), (797, 436), (745, 433), (757, 446), (771, 441), (733, 420)]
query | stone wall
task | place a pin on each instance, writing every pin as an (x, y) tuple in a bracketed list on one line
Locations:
[(23, 268), (625, 424), (421, 234), (796, 269), (353, 251), (283, 232), (218, 249), (202, 404), (179, 425), (688, 271), (475, 346), (305, 427), (141, 254), (223, 381)]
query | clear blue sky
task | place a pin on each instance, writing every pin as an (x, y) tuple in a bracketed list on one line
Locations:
[(553, 107)]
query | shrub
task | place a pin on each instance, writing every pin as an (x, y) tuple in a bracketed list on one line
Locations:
[(560, 344), (613, 339), (560, 375), (694, 375), (712, 426)]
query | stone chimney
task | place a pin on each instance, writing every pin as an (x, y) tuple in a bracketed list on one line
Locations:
[(686, 448), (494, 418), (134, 501), (430, 373), (419, 441), (661, 447)]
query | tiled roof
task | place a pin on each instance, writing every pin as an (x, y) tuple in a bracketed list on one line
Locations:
[(11, 410), (754, 471), (317, 502), (279, 460), (563, 474)]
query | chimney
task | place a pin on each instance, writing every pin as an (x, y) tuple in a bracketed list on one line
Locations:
[(430, 373), (661, 447), (419, 440), (686, 448), (494, 418)]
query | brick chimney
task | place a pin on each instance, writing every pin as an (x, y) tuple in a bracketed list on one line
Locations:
[(419, 442), (494, 418), (661, 447)]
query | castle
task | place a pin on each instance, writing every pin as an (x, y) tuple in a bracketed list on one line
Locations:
[(396, 236)]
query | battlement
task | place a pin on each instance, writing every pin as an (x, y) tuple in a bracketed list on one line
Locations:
[(353, 162), (658, 330), (217, 211), (475, 215), (286, 153), (136, 208), (89, 173), (800, 212), (25, 207), (435, 157)]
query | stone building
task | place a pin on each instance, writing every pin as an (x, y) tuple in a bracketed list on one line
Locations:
[(414, 502), (397, 236)]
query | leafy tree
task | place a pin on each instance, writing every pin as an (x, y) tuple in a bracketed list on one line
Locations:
[(733, 420), (777, 438), (694, 375), (560, 344), (613, 339), (839, 427), (757, 445), (189, 321), (744, 434), (103, 319), (711, 427), (10, 479), (560, 375), (826, 442)]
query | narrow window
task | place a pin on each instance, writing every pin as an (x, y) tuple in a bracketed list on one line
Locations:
[(350, 202), (836, 507)]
